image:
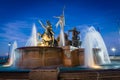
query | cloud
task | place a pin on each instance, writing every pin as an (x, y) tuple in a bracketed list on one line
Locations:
[(17, 30)]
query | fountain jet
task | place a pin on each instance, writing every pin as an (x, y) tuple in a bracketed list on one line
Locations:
[(12, 56), (93, 39), (32, 41)]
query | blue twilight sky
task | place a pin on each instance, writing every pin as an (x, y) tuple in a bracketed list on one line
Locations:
[(18, 16)]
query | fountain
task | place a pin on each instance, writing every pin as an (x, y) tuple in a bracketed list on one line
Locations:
[(36, 52), (39, 53), (42, 57), (93, 42), (32, 41), (12, 57)]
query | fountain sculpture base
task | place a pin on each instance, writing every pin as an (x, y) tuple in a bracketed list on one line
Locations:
[(73, 57), (35, 57)]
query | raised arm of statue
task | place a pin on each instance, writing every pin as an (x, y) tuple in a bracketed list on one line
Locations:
[(42, 25), (52, 32)]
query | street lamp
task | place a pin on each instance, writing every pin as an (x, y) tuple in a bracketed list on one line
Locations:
[(113, 50), (9, 45)]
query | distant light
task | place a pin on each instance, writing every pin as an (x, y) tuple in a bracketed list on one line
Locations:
[(113, 49), (9, 44)]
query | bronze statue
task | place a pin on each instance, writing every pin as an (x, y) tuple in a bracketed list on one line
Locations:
[(61, 23), (49, 30), (75, 37), (48, 35)]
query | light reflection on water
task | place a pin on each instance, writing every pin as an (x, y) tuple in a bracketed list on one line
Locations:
[(113, 65), (12, 69)]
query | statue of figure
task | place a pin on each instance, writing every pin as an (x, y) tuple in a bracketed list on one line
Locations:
[(49, 30), (48, 36), (75, 37), (61, 22)]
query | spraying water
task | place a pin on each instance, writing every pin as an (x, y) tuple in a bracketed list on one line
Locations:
[(32, 41), (62, 39), (12, 55), (93, 39)]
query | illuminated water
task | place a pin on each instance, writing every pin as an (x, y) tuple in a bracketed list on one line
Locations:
[(114, 65), (62, 39), (12, 55), (32, 41), (93, 39), (12, 69)]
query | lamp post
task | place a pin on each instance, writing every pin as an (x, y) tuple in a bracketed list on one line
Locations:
[(9, 45), (113, 50)]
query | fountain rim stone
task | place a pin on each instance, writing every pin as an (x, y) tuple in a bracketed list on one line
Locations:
[(38, 47)]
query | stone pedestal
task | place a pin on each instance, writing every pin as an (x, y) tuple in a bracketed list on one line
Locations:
[(74, 57), (81, 56), (67, 61), (34, 57)]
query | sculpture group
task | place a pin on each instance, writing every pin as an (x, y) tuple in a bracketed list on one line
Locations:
[(48, 39)]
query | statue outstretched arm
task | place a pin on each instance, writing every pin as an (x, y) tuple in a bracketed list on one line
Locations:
[(61, 20), (42, 25), (52, 32)]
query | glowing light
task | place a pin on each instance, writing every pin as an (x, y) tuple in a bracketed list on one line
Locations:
[(96, 67), (9, 44), (113, 49)]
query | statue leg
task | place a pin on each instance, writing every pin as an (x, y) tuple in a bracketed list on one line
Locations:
[(52, 41)]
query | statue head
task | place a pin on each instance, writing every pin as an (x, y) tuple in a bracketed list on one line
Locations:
[(49, 26), (74, 28)]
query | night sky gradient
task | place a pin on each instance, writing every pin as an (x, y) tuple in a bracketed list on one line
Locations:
[(18, 16)]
